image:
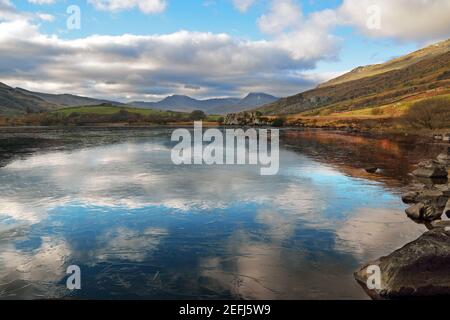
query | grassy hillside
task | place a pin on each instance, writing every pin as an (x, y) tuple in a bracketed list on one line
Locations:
[(14, 102), (407, 94), (65, 100), (397, 109), (395, 64), (417, 115), (430, 73)]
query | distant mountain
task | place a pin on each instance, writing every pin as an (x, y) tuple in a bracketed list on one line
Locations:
[(67, 100), (210, 106), (15, 102), (366, 87)]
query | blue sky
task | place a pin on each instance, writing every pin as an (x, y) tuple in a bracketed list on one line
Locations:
[(218, 16), (205, 48)]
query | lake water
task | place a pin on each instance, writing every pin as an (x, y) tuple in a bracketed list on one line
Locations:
[(111, 202)]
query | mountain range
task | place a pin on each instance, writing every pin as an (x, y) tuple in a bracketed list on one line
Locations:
[(421, 73), (210, 106), (16, 101), (67, 100)]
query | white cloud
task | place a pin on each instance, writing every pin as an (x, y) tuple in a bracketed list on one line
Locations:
[(7, 11), (373, 238), (302, 36), (41, 1), (46, 17), (45, 264), (127, 244), (406, 20), (149, 67), (243, 5), (146, 6), (283, 14), (138, 66)]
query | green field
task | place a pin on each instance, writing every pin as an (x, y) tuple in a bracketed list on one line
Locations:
[(109, 110)]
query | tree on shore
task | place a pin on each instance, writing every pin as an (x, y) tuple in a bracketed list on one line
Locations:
[(433, 113), (197, 115)]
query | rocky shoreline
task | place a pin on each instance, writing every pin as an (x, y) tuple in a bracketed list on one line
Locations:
[(246, 119), (421, 268)]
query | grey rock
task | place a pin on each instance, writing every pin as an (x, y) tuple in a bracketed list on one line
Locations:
[(439, 224), (432, 182), (445, 189), (444, 158), (447, 209), (432, 195), (420, 269), (410, 197), (427, 164), (245, 118), (415, 212), (417, 186), (372, 170), (431, 169), (423, 212), (431, 213)]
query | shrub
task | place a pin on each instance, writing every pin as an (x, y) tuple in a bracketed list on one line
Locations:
[(433, 113), (278, 122), (445, 75), (197, 115), (377, 111)]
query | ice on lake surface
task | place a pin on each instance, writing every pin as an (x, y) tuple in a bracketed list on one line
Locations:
[(140, 227)]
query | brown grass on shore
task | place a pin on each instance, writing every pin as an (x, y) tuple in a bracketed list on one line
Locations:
[(424, 115)]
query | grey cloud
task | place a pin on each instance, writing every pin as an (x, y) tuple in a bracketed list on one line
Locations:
[(130, 66)]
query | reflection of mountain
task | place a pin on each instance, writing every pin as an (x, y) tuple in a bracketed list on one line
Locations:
[(351, 154)]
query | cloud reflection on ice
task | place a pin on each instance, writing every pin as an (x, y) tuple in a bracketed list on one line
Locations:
[(206, 231)]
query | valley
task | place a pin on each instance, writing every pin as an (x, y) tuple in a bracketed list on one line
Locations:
[(384, 97)]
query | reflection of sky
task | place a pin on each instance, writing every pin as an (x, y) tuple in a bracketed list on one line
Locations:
[(141, 227)]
